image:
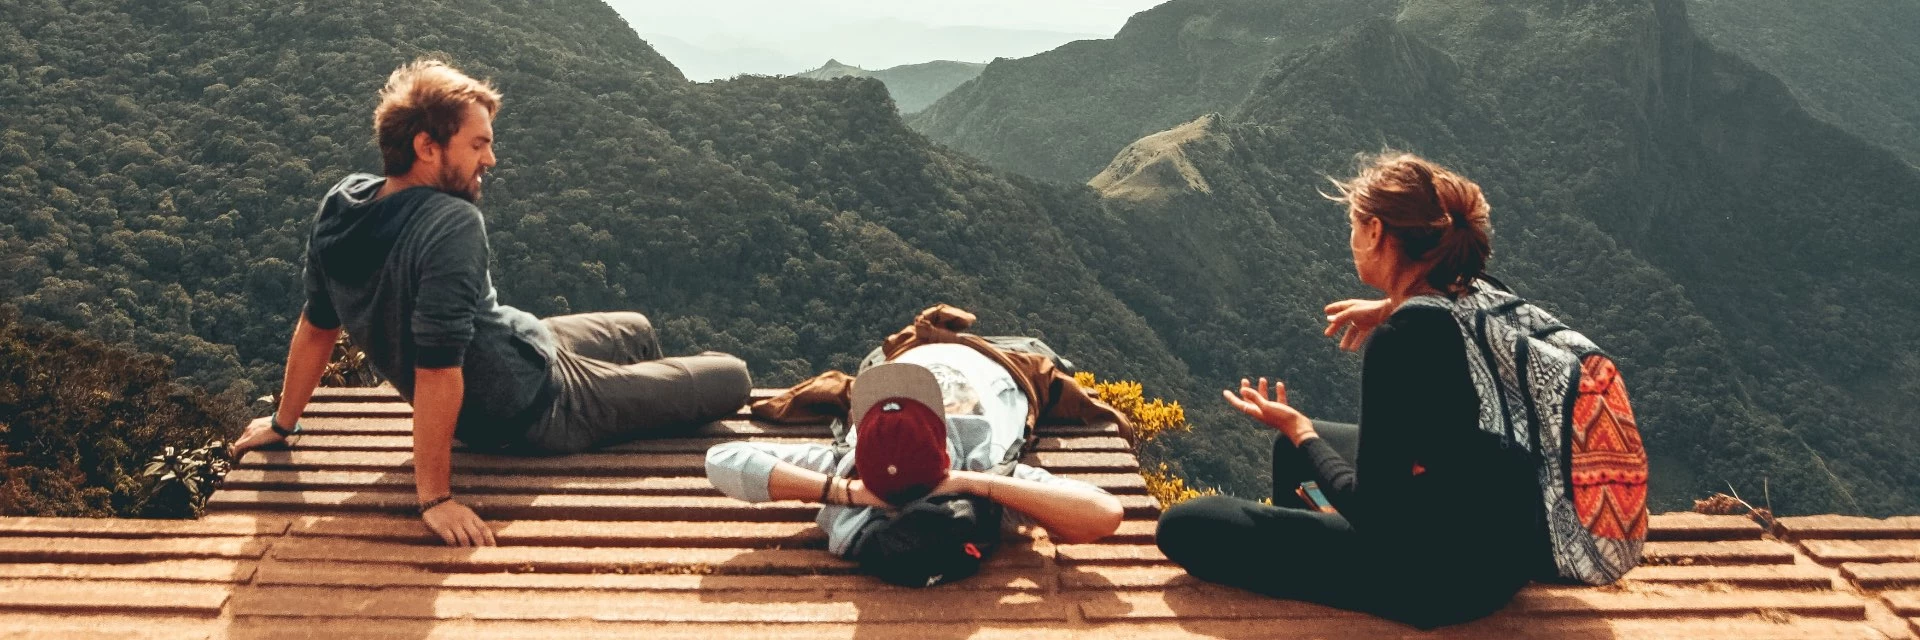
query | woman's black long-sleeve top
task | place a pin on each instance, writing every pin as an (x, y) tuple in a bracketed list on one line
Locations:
[(1428, 480)]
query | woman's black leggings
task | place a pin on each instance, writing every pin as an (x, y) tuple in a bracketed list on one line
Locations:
[(1288, 551)]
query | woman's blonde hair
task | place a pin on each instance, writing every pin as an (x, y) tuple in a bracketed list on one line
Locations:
[(424, 96), (1437, 215)]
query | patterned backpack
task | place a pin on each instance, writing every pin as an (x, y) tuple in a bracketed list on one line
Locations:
[(1549, 390)]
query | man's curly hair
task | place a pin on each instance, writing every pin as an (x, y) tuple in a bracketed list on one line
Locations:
[(429, 96)]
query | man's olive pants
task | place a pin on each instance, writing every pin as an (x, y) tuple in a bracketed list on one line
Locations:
[(615, 386)]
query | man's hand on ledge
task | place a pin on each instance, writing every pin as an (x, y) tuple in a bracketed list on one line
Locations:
[(458, 525), (259, 433)]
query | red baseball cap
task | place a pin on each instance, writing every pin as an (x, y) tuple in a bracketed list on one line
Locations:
[(900, 443)]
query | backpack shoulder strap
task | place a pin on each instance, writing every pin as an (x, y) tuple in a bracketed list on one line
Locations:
[(1030, 345)]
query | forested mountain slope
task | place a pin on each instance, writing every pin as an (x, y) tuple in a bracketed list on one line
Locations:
[(1737, 254), (1850, 62), (1742, 259), (165, 162)]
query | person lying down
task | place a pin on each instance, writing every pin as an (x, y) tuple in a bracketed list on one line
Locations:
[(923, 475)]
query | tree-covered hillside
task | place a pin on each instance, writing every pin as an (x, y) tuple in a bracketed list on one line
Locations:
[(913, 86), (79, 418), (163, 163), (1737, 255), (1851, 62)]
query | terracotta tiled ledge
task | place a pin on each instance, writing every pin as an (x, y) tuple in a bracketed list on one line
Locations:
[(634, 543)]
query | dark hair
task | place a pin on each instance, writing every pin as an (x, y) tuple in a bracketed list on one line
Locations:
[(427, 96), (1439, 217)]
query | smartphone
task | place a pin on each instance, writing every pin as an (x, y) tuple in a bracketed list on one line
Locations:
[(1309, 493)]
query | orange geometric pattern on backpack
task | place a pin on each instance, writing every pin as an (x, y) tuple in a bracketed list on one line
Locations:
[(1609, 463)]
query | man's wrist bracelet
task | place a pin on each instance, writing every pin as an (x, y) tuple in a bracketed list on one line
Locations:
[(826, 488), (285, 432), (428, 505)]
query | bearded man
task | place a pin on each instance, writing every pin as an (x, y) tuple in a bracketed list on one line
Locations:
[(399, 261)]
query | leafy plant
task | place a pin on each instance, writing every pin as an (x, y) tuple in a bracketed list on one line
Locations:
[(78, 416), (1169, 488), (348, 367), (178, 483)]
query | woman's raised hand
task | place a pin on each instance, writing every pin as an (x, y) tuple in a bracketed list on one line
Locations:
[(1358, 317), (1272, 411)]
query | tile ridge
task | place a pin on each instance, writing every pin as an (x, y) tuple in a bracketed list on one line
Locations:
[(1879, 614)]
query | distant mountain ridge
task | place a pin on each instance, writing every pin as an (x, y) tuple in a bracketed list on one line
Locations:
[(718, 52), (1062, 114), (1665, 196), (912, 86), (700, 62)]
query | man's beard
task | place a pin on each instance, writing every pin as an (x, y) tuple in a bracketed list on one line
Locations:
[(460, 184)]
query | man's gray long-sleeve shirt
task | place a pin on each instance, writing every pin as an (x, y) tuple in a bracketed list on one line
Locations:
[(407, 276)]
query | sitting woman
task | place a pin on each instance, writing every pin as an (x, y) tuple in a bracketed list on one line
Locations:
[(1437, 522)]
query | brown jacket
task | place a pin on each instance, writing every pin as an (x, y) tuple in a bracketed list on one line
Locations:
[(1052, 394)]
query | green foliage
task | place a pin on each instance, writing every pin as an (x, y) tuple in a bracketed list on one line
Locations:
[(1850, 62), (77, 417), (176, 484), (1668, 199), (162, 163)]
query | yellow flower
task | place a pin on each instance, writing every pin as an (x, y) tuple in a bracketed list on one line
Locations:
[(1150, 419), (1170, 489)]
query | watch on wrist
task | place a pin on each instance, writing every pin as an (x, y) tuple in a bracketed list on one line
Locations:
[(273, 422)]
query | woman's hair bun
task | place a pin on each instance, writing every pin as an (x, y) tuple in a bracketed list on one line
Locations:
[(1439, 216)]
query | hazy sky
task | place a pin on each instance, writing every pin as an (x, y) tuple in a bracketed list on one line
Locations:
[(718, 38)]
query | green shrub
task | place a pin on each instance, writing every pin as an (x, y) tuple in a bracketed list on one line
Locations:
[(78, 418)]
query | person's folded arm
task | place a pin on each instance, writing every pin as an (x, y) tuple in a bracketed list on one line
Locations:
[(1071, 512), (760, 472)]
